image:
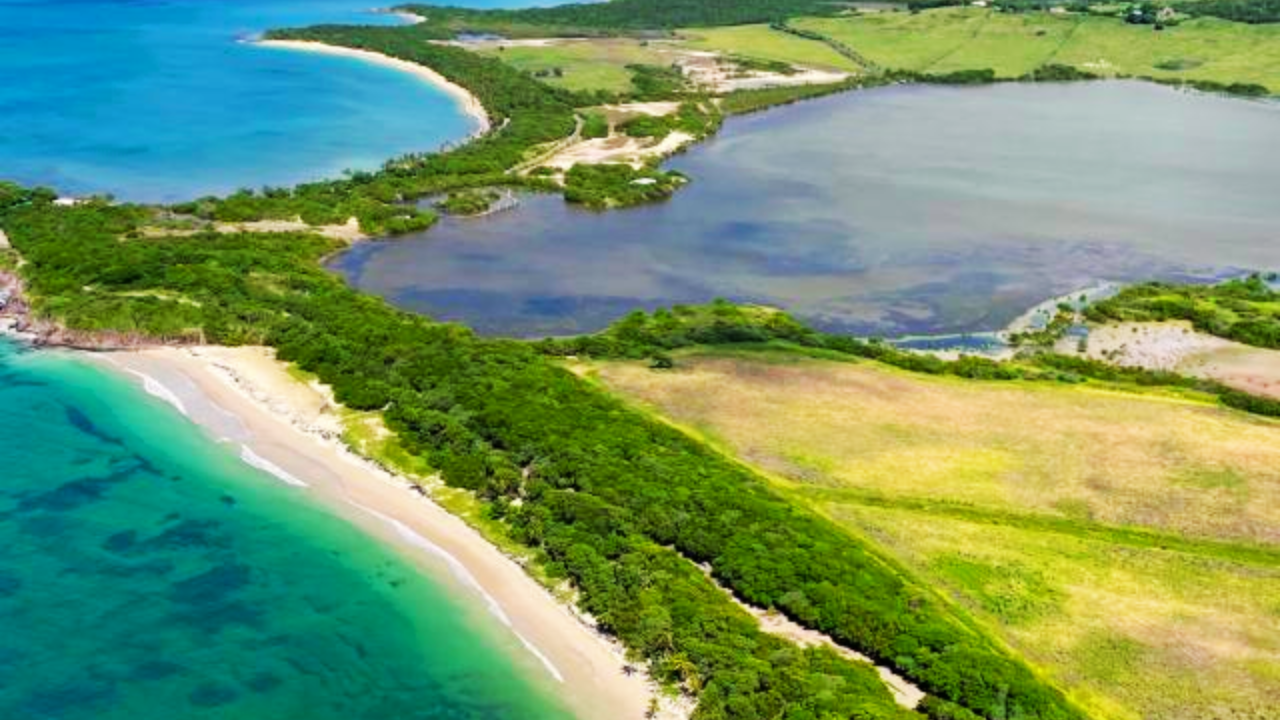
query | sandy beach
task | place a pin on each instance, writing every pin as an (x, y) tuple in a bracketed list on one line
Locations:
[(290, 429), (1178, 347), (470, 103)]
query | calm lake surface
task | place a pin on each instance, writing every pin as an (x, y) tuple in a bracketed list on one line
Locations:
[(149, 574), (897, 210), (157, 100)]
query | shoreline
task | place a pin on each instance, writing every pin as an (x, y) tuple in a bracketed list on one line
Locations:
[(290, 430), (468, 102)]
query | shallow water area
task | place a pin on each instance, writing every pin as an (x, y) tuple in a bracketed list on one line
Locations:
[(150, 572), (164, 101), (899, 210)]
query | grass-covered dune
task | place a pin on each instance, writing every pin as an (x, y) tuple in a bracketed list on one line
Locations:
[(1125, 541)]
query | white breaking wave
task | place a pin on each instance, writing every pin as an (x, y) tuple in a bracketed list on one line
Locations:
[(255, 460), (157, 389), (464, 576)]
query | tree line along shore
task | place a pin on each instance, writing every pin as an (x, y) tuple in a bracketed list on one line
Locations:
[(624, 507)]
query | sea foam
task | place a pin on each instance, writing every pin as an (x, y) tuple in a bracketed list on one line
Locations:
[(255, 460), (157, 389), (463, 575)]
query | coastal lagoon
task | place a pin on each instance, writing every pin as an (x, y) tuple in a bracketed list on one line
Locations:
[(150, 573), (162, 101), (898, 210)]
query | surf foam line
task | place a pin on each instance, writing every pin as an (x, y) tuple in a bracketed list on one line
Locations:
[(255, 460), (157, 389), (463, 575)]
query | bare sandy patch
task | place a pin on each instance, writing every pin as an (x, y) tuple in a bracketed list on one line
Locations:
[(636, 152), (1177, 346)]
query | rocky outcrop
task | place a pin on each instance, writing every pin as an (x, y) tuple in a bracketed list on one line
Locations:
[(17, 319)]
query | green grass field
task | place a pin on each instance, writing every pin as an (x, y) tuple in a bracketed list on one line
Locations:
[(1127, 544), (759, 41), (583, 64), (951, 39), (1132, 632)]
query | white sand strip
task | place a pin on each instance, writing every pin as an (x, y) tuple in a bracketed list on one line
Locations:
[(470, 103)]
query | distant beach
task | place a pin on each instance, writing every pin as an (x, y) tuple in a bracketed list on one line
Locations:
[(469, 103), (290, 429)]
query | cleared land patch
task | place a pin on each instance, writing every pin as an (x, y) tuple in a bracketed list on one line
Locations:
[(1010, 497), (951, 39)]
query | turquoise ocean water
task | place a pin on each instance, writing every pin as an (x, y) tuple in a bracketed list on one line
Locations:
[(146, 572), (156, 100)]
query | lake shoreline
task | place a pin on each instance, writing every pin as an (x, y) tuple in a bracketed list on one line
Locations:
[(466, 100), (290, 430)]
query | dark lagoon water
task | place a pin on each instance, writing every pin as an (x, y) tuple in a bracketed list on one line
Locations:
[(147, 573), (898, 210), (158, 100)]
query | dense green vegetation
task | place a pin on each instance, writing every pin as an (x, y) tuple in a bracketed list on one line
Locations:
[(607, 185), (594, 125), (741, 102), (1246, 11), (1246, 311), (608, 496), (468, 202), (691, 118)]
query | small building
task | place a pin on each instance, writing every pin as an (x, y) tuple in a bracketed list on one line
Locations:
[(644, 181), (66, 202)]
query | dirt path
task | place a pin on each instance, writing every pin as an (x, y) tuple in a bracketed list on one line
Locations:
[(904, 692)]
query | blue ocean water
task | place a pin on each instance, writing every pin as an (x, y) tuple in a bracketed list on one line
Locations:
[(147, 573), (157, 100)]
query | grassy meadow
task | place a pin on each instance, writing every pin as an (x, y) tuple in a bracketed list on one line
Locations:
[(583, 64), (1127, 544), (950, 39), (761, 42)]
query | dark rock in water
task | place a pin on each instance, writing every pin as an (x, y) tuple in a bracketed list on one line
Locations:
[(9, 585), (81, 422), (77, 493), (155, 670), (120, 542), (189, 534), (211, 695), (60, 701), (227, 500), (263, 682), (210, 620), (212, 586), (66, 497)]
